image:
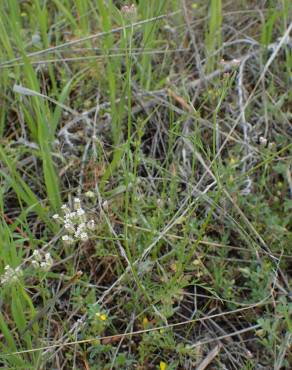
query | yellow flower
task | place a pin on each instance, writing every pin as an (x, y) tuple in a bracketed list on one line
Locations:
[(101, 316), (145, 321), (232, 161), (162, 365)]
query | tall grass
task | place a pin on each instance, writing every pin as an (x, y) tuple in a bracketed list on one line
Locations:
[(213, 38)]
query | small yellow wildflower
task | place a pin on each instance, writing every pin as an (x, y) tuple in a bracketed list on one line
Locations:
[(145, 321), (162, 365), (232, 161), (101, 316)]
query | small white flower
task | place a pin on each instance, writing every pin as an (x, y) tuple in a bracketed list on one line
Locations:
[(65, 209), (84, 236), (35, 264), (67, 239), (49, 260), (41, 261), (90, 194), (69, 217), (48, 257), (45, 266), (69, 227), (80, 212), (81, 226), (263, 141), (79, 230), (56, 216), (72, 215), (77, 203), (47, 263), (10, 275), (37, 256), (81, 215)]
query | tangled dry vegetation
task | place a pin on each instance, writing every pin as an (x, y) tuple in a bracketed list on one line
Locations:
[(146, 186)]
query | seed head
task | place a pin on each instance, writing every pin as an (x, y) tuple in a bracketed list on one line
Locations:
[(129, 12)]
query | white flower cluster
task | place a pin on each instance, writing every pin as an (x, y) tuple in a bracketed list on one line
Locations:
[(75, 223), (40, 261), (10, 275)]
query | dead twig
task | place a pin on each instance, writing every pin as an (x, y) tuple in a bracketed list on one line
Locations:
[(210, 357)]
